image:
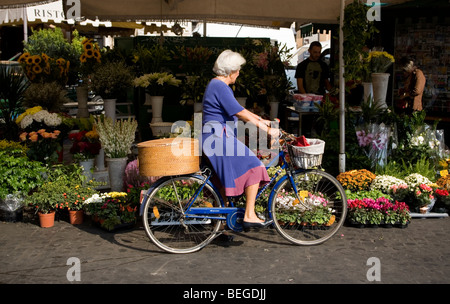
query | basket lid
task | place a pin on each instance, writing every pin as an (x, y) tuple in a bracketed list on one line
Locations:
[(165, 142)]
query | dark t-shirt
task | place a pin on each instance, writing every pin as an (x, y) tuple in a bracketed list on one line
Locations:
[(314, 74)]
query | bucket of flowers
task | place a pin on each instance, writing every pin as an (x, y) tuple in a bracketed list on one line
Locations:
[(86, 144), (111, 210)]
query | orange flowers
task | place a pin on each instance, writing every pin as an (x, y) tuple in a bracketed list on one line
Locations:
[(356, 180)]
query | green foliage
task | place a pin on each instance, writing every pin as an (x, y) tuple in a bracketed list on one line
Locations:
[(13, 83), (111, 79), (53, 43), (373, 194), (357, 31), (423, 166), (18, 173), (49, 95)]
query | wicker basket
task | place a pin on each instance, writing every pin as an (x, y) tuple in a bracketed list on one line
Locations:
[(168, 156), (309, 156)]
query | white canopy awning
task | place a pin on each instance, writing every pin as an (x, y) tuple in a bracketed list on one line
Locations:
[(49, 11)]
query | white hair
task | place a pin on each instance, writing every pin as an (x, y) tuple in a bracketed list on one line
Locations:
[(228, 62)]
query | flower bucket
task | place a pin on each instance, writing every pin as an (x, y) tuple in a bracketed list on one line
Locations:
[(87, 166), (116, 171), (76, 217), (110, 108), (380, 83), (157, 105), (47, 220)]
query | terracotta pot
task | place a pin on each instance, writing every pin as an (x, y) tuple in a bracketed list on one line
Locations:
[(76, 217), (47, 220)]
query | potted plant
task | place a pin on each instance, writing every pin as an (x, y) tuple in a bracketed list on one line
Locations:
[(156, 85), (111, 210), (45, 199), (86, 146), (110, 80), (378, 62), (116, 138), (75, 194), (17, 172), (193, 89)]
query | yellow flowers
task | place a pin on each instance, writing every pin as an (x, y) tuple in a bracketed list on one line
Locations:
[(379, 62), (90, 50), (38, 67), (29, 111)]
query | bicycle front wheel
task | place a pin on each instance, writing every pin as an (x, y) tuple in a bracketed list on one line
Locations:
[(313, 216), (165, 222)]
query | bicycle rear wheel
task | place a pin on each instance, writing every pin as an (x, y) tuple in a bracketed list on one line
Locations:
[(316, 215), (164, 220)]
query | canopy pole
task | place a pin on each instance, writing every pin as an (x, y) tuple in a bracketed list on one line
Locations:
[(25, 24), (341, 92)]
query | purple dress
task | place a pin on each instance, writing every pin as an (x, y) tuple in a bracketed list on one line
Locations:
[(235, 165)]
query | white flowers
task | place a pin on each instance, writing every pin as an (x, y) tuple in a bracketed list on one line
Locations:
[(116, 137), (384, 183), (415, 179), (43, 116)]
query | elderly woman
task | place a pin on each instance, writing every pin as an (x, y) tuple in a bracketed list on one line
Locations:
[(237, 168)]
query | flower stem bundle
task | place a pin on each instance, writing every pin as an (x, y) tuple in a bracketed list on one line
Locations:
[(116, 137)]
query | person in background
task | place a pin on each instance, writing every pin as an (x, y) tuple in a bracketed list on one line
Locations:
[(412, 92), (312, 73)]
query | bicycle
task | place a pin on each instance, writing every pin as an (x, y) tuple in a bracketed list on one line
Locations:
[(183, 214)]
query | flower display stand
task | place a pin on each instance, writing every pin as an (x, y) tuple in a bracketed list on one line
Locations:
[(428, 215), (82, 99)]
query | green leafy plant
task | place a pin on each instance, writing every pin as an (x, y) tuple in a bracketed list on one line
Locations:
[(357, 31), (18, 173), (13, 84), (111, 79), (49, 95)]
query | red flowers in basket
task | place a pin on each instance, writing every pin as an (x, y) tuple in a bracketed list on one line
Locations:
[(300, 142)]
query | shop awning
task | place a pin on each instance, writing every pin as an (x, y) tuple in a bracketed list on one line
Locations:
[(48, 11)]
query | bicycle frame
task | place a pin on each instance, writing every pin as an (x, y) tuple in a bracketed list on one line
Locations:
[(229, 213)]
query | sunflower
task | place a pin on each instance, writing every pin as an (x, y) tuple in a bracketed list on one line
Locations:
[(83, 58), (45, 57), (60, 61), (37, 59), (97, 55), (89, 53), (23, 58), (37, 69)]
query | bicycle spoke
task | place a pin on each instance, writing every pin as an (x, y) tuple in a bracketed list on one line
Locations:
[(164, 219), (319, 214)]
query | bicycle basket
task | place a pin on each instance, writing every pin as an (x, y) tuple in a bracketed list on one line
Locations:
[(309, 156), (168, 156)]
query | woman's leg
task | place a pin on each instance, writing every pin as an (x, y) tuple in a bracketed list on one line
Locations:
[(250, 196)]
